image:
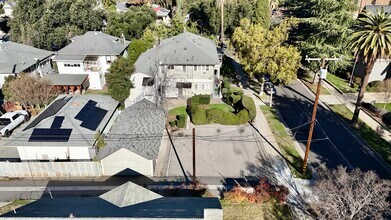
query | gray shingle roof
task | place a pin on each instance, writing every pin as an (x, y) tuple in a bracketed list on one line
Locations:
[(139, 128), (66, 79), (183, 49), (15, 58), (93, 43), (374, 8)]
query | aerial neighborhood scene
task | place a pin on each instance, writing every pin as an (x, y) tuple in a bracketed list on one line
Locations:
[(195, 109)]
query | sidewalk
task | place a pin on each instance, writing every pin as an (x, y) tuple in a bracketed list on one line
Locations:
[(348, 101)]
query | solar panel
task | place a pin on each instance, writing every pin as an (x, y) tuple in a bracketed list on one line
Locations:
[(57, 122), (85, 111), (50, 135), (91, 116), (49, 111), (94, 119)]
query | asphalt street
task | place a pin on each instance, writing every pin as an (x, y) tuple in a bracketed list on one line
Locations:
[(333, 143)]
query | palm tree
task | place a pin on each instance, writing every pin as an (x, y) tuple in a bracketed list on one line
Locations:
[(221, 3), (371, 40)]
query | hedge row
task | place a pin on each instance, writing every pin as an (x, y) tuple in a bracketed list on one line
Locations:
[(202, 116), (195, 101), (180, 121)]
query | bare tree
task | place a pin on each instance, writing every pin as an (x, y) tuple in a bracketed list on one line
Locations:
[(351, 195), (386, 94), (31, 91)]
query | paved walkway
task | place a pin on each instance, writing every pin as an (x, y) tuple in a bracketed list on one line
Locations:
[(348, 100)]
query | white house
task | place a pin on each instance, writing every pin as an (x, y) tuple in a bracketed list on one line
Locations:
[(162, 14), (92, 54), (134, 141), (17, 58), (8, 8), (66, 129), (186, 65)]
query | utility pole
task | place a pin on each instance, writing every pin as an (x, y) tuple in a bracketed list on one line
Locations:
[(323, 73), (194, 158)]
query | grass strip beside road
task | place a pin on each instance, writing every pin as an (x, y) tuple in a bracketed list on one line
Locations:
[(246, 210), (371, 137), (285, 142), (14, 205), (341, 84), (381, 105), (307, 80)]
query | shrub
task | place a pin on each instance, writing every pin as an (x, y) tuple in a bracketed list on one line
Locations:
[(357, 80), (242, 117), (386, 118), (199, 117), (215, 116), (248, 104), (181, 121), (229, 119), (235, 98), (192, 104), (172, 123), (203, 99)]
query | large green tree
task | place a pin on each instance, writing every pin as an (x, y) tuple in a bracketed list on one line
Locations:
[(178, 26), (371, 40), (262, 13), (109, 5), (131, 23), (324, 30), (118, 79), (263, 51), (50, 24), (139, 46)]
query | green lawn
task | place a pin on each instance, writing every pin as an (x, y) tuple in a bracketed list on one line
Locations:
[(284, 141), (381, 105), (246, 210), (370, 136), (341, 84), (181, 110), (97, 92), (222, 106), (308, 82), (14, 205)]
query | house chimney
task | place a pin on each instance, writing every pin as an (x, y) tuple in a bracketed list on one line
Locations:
[(122, 38)]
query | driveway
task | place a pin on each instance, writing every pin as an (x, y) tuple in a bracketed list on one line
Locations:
[(221, 151)]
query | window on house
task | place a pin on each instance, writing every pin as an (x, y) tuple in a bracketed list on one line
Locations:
[(109, 59), (184, 68), (203, 86), (195, 86), (207, 68), (170, 67), (195, 68)]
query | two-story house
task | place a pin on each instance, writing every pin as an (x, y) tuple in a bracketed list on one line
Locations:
[(19, 58), (92, 54), (183, 66)]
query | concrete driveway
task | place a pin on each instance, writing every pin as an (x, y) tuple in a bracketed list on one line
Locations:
[(221, 151)]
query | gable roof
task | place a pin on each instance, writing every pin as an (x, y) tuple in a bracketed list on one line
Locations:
[(92, 43), (15, 58), (97, 207), (64, 114), (139, 128), (66, 79), (121, 197), (183, 49)]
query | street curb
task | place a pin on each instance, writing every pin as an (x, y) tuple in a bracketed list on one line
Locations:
[(352, 132)]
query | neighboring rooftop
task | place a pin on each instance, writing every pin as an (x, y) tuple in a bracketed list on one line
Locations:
[(160, 11), (67, 121), (183, 49), (139, 128), (375, 8), (92, 43), (96, 207), (15, 58), (66, 79)]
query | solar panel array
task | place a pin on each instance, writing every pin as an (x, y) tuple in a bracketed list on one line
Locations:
[(53, 134), (91, 115)]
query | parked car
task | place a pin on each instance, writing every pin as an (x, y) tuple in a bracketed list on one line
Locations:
[(10, 120), (268, 87)]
